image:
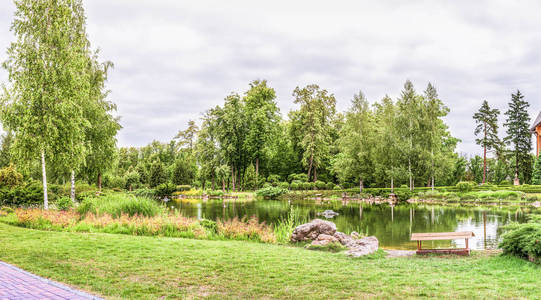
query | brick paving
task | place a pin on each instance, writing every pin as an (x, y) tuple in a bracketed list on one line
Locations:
[(19, 284)]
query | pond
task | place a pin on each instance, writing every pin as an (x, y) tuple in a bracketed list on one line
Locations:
[(391, 225)]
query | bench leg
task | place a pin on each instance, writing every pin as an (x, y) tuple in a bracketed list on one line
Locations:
[(467, 247)]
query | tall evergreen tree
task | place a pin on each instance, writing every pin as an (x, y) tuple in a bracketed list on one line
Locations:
[(519, 135), (487, 126)]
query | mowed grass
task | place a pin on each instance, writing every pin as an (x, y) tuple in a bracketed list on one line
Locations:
[(119, 266)]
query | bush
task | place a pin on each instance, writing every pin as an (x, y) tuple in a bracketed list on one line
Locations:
[(215, 193), (64, 203), (523, 240), (505, 183), (294, 186), (403, 195), (118, 204), (320, 185), (29, 194), (271, 192), (337, 188), (465, 186), (9, 177), (165, 190), (273, 179), (297, 177), (284, 185), (209, 225), (330, 185)]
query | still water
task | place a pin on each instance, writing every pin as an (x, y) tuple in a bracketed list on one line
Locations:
[(391, 225)]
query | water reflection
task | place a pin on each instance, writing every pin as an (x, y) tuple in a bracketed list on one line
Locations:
[(392, 225)]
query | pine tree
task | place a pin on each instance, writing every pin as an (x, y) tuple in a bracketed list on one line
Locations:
[(536, 178), (519, 136), (487, 125)]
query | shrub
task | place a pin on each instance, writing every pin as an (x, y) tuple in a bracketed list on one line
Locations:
[(9, 177), (273, 179), (118, 204), (298, 177), (64, 203), (165, 190), (505, 183), (523, 240), (215, 193), (330, 185), (7, 210), (284, 185), (271, 192), (29, 194), (320, 185), (404, 186), (294, 186), (209, 225), (403, 195), (465, 186), (337, 188)]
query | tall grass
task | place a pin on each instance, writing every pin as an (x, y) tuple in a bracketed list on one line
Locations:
[(284, 227), (119, 204)]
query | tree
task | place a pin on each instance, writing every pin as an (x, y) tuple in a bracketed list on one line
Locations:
[(101, 133), (187, 137), (487, 125), (231, 131), (315, 114), (157, 174), (409, 117), (43, 106), (519, 136), (5, 149), (262, 115), (536, 177), (356, 143)]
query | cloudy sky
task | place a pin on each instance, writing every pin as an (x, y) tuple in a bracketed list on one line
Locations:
[(175, 59)]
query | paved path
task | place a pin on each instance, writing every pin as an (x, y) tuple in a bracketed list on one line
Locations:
[(19, 284)]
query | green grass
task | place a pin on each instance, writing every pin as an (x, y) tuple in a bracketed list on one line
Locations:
[(119, 266), (118, 204)]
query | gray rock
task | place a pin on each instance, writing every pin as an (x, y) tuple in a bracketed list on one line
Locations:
[(364, 246), (311, 231), (324, 239)]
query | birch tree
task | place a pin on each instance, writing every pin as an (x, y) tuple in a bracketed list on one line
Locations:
[(48, 84)]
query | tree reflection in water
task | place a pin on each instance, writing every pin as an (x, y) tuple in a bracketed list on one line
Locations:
[(392, 225)]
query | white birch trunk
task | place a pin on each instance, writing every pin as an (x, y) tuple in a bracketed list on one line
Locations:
[(44, 173), (72, 194)]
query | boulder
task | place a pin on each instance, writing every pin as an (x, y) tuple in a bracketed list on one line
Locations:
[(324, 239), (363, 246), (311, 231)]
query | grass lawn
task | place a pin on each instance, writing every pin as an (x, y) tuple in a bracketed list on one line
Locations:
[(120, 266)]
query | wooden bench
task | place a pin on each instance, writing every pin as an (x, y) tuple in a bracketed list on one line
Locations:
[(433, 236)]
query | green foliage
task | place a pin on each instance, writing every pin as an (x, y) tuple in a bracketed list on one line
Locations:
[(465, 186), (536, 177), (182, 188), (297, 177), (9, 177), (209, 225), (145, 193), (165, 190), (22, 195), (274, 179), (487, 126), (157, 174), (320, 185), (271, 192), (283, 185), (64, 203), (519, 136), (118, 204), (523, 240)]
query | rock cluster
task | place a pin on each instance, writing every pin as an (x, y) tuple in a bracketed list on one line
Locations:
[(322, 233)]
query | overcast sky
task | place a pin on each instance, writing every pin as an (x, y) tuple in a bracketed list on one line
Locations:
[(175, 59)]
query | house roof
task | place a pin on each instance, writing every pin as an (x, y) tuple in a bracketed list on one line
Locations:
[(536, 123)]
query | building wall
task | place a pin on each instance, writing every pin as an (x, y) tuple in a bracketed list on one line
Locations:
[(538, 130)]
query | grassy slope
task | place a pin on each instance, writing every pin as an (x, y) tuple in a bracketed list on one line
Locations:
[(119, 266)]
